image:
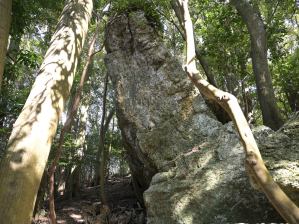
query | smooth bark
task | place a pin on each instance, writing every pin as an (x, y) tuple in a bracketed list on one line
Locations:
[(40, 198), (104, 158), (256, 168), (258, 39), (218, 111), (105, 210), (99, 154), (29, 144), (5, 21), (67, 126)]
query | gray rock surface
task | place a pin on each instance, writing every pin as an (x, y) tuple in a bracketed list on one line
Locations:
[(191, 165)]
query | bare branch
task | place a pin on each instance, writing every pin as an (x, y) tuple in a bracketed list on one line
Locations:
[(254, 162)]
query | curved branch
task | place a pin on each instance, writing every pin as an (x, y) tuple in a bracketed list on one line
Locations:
[(253, 161)]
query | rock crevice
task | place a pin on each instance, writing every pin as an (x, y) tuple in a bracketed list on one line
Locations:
[(191, 166)]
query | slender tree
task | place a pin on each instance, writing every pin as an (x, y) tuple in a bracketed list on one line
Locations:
[(103, 154), (103, 132), (256, 168), (102, 145), (29, 144), (67, 126), (255, 25), (5, 21), (204, 64), (219, 112)]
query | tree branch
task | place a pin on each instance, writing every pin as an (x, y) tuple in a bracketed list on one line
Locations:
[(253, 161), (68, 124)]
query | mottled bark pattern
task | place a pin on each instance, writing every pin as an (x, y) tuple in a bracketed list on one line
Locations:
[(22, 167)]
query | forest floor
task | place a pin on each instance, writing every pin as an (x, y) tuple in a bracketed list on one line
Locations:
[(124, 207)]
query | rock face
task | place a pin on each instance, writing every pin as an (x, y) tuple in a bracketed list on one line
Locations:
[(190, 165)]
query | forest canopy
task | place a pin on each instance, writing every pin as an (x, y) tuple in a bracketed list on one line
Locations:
[(62, 127)]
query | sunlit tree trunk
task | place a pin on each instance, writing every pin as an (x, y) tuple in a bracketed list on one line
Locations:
[(29, 144), (218, 111), (256, 168), (41, 194), (5, 21), (66, 127), (258, 38)]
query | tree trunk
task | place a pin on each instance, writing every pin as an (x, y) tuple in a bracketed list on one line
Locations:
[(102, 146), (105, 210), (97, 169), (66, 127), (72, 182), (256, 168), (68, 192), (293, 99), (41, 194), (75, 182), (265, 91), (5, 21), (218, 111), (30, 142)]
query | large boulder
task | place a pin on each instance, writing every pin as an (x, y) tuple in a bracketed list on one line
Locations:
[(191, 166), (159, 112), (214, 187)]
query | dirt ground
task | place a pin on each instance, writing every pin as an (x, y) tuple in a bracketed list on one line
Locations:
[(123, 205)]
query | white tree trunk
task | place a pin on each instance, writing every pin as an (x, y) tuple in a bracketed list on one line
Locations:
[(28, 148), (254, 163)]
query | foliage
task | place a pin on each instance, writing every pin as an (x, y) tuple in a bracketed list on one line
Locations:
[(26, 14), (224, 41), (149, 7), (286, 77), (221, 36), (27, 46)]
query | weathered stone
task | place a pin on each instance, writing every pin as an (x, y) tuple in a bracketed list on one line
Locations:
[(215, 186), (158, 109), (197, 163)]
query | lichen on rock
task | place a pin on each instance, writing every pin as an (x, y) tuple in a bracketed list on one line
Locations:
[(155, 100), (191, 166)]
